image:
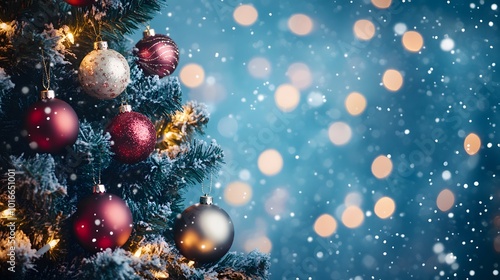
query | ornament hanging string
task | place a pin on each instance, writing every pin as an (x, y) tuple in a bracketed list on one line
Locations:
[(97, 31), (209, 189), (46, 73), (125, 97), (98, 182)]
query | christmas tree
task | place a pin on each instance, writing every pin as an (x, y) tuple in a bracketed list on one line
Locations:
[(60, 155)]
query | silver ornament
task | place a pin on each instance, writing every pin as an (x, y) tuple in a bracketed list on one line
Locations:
[(104, 73), (203, 232)]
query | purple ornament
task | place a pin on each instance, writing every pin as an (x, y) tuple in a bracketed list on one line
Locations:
[(102, 221), (51, 124), (158, 54)]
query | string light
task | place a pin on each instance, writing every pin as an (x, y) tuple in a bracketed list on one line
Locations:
[(4, 26), (191, 263), (5, 213), (160, 275), (47, 247), (8, 214), (70, 37), (138, 253)]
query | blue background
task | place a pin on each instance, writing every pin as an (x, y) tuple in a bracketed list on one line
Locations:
[(445, 96)]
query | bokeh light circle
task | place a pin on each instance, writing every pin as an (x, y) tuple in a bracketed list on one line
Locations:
[(287, 97), (192, 75), (259, 67), (270, 162), (447, 44), (245, 15), (381, 167), (300, 24), (227, 126), (325, 225), (353, 198), (381, 4), (237, 193), (261, 243), (384, 207), (392, 80), (412, 41), (364, 29), (352, 217), (472, 144), (355, 103), (300, 75), (339, 133), (445, 200)]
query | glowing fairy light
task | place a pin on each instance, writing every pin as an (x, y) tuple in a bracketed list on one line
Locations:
[(53, 243), (70, 37), (161, 275), (47, 247), (174, 133), (4, 27), (138, 253), (7, 213)]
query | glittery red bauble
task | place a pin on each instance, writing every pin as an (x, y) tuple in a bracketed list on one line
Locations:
[(102, 221), (133, 137), (80, 2), (158, 55), (51, 125)]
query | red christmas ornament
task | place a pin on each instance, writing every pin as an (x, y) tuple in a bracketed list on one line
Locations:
[(102, 221), (133, 136), (51, 124), (158, 54), (80, 2)]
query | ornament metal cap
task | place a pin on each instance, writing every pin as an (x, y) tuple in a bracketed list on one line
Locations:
[(99, 188), (100, 45), (148, 32), (206, 199), (47, 94), (124, 108)]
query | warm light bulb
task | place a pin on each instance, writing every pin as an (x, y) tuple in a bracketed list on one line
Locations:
[(6, 213), (53, 243), (138, 253), (47, 247), (70, 37), (160, 275)]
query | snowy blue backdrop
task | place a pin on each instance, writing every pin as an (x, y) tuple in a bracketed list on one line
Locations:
[(301, 179)]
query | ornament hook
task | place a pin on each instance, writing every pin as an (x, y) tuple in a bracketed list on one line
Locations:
[(98, 182), (45, 73), (209, 189)]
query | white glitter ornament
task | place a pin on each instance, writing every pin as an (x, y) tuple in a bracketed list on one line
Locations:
[(104, 73)]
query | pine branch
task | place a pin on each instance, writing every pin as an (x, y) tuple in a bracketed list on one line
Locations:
[(127, 16), (38, 183), (201, 160), (152, 96), (253, 266), (110, 265), (25, 256), (150, 217), (93, 147), (6, 85), (10, 9)]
